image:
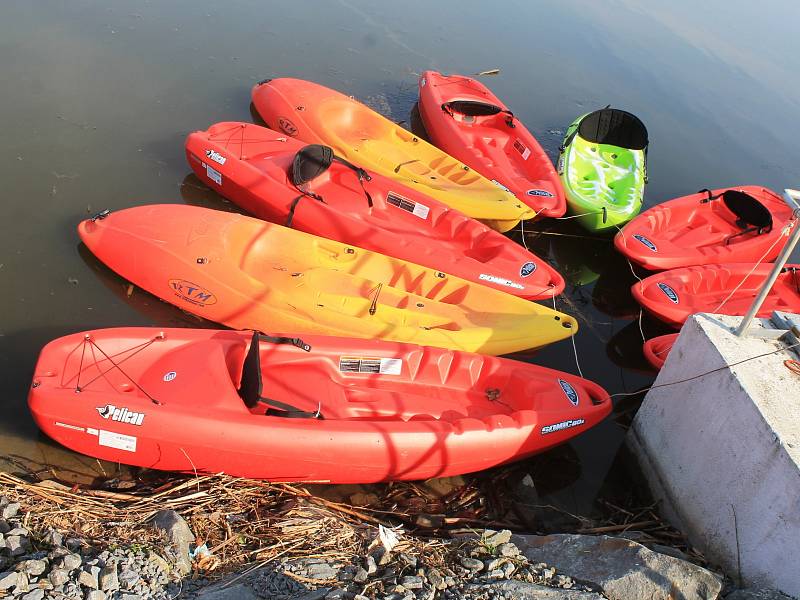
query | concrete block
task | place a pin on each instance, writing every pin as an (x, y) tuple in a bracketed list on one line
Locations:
[(722, 451)]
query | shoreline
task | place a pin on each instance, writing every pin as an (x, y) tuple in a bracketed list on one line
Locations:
[(219, 537)]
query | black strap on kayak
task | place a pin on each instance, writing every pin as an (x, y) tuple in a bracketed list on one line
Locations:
[(709, 196), (475, 108), (282, 409), (293, 205), (251, 386), (361, 173)]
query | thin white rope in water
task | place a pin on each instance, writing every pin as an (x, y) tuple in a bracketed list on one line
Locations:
[(722, 368), (575, 351), (785, 231), (641, 330), (586, 214), (522, 229)]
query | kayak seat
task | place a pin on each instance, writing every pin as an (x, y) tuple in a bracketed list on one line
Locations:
[(311, 162), (749, 211), (751, 215), (251, 386), (614, 127)]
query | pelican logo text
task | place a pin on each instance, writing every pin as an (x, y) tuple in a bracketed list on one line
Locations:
[(527, 269), (216, 157), (191, 292), (287, 126), (668, 292), (543, 193), (570, 392), (120, 414), (646, 242), (563, 425)]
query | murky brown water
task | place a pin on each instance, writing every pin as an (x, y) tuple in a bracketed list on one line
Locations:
[(97, 98)]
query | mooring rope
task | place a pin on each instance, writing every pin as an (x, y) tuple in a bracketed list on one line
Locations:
[(722, 368), (784, 232)]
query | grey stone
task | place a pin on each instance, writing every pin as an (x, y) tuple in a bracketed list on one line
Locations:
[(17, 544), (360, 576), (621, 568), (58, 577), (473, 564), (10, 510), (412, 582), (495, 563), (8, 580), (88, 579), (178, 533), (74, 544), (336, 594), (321, 571), (107, 579), (520, 590), (71, 562), (18, 531), (53, 538), (95, 595), (158, 562), (33, 567), (22, 584), (669, 551), (496, 574), (757, 594), (436, 580), (508, 569), (370, 564), (494, 538), (37, 594), (128, 578), (4, 526), (507, 549)]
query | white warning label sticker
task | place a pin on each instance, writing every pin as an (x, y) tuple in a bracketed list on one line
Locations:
[(380, 366), (214, 175), (415, 208), (120, 441)]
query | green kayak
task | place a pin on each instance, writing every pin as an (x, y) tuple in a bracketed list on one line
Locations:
[(603, 167)]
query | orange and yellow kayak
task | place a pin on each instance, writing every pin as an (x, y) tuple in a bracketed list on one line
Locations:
[(319, 115), (249, 274)]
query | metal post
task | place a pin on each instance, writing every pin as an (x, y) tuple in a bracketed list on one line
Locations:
[(792, 197)]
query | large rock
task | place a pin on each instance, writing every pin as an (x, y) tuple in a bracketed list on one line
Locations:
[(179, 534), (622, 569), (519, 590)]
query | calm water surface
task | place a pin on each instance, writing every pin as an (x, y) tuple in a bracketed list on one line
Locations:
[(97, 98)]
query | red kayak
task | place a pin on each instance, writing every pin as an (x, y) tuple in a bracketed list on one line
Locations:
[(728, 225), (672, 296), (656, 349), (324, 409), (466, 120), (283, 180)]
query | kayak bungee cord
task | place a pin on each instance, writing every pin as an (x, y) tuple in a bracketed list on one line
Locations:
[(373, 308), (136, 349)]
